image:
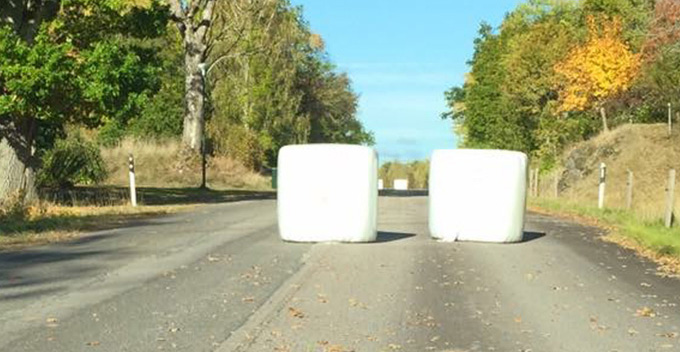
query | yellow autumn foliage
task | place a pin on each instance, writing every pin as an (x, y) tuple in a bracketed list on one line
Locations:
[(599, 69)]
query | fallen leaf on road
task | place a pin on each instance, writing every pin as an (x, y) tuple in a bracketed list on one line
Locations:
[(355, 303), (51, 322), (336, 348), (295, 313), (645, 312), (518, 320), (93, 343), (394, 346), (248, 299), (670, 335)]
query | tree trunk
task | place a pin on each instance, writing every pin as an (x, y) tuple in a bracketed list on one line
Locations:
[(193, 19), (603, 114), (194, 101), (26, 16), (17, 164)]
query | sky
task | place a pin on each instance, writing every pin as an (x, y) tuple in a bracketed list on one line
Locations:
[(402, 55)]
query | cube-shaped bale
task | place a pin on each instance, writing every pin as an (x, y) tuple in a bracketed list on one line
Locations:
[(400, 184), (477, 195), (327, 193)]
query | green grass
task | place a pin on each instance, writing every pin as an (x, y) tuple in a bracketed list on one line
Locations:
[(84, 209), (650, 235), (49, 224)]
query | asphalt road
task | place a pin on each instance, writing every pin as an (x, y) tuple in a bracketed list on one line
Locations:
[(219, 279)]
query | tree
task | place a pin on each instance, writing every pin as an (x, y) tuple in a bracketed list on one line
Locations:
[(598, 70), (538, 37), (194, 19), (659, 81), (26, 88), (487, 115), (71, 61), (275, 85), (663, 29)]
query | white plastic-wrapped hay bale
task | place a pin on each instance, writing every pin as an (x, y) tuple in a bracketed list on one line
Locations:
[(381, 185), (400, 185), (327, 193), (477, 195)]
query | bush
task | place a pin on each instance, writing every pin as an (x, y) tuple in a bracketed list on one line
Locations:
[(238, 143), (13, 208), (111, 133), (72, 161)]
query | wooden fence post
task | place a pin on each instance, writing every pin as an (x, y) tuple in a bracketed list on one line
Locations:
[(670, 119), (629, 191), (670, 198)]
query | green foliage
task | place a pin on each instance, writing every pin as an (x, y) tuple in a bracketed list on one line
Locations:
[(660, 83), (277, 83), (110, 133), (510, 97), (117, 66), (86, 66), (72, 161), (161, 117), (37, 80), (239, 143)]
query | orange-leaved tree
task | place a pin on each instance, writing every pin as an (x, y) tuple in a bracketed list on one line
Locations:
[(595, 72)]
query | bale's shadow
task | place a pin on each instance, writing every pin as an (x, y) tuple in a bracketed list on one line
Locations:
[(531, 236), (388, 236)]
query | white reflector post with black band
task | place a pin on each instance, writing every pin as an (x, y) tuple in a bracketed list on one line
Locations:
[(327, 193), (477, 195)]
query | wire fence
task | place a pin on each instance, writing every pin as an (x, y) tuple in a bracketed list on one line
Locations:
[(647, 194)]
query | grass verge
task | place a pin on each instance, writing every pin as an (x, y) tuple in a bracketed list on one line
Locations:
[(50, 224), (650, 239), (85, 209)]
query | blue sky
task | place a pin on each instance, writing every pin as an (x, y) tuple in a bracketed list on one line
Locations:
[(401, 56)]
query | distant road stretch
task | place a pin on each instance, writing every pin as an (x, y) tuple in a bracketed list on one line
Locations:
[(219, 279)]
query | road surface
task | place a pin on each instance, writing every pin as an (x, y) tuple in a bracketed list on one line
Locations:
[(219, 279)]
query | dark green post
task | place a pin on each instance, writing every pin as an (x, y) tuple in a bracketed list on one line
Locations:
[(274, 175)]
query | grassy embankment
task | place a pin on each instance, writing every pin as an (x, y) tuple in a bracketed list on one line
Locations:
[(166, 185), (650, 153)]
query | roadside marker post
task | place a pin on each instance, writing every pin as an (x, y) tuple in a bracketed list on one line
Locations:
[(603, 182), (133, 190)]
